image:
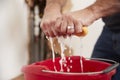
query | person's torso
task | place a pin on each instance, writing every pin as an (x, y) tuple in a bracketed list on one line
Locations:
[(113, 22)]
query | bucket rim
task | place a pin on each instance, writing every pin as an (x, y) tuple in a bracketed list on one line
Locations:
[(44, 70), (111, 68)]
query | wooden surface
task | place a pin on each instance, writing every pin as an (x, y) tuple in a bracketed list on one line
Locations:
[(20, 77)]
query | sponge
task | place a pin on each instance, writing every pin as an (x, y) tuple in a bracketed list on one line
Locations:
[(83, 33)]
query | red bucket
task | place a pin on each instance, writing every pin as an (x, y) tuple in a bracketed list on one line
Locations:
[(93, 70)]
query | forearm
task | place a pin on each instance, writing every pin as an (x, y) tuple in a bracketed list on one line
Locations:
[(54, 5), (102, 8)]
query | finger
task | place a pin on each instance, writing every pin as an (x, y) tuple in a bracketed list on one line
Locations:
[(70, 25), (51, 33), (53, 29), (78, 26), (63, 27), (58, 25), (49, 30), (70, 30), (44, 29), (43, 26), (47, 34)]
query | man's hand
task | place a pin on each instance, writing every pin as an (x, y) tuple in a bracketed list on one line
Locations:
[(52, 13), (53, 24), (73, 22)]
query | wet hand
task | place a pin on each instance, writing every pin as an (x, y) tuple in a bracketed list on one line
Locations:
[(72, 23), (48, 23)]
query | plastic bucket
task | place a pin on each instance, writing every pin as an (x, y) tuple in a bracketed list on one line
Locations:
[(93, 70)]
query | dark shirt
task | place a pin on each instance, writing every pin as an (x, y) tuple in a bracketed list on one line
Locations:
[(113, 22)]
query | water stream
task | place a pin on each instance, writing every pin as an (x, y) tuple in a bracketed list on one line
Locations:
[(63, 61)]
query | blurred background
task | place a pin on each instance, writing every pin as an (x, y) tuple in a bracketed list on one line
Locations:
[(21, 40)]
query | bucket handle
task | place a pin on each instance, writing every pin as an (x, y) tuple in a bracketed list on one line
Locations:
[(110, 68)]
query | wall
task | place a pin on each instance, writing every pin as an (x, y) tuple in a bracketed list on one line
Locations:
[(13, 38)]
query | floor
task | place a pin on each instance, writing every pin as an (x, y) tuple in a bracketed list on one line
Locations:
[(20, 77)]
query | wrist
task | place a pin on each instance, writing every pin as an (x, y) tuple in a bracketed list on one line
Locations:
[(89, 16), (53, 7), (95, 12)]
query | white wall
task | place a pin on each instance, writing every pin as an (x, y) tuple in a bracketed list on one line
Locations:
[(13, 38)]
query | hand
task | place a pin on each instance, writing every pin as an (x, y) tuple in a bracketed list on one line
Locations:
[(72, 23), (48, 22)]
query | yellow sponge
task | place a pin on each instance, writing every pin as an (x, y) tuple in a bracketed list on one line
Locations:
[(83, 33)]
